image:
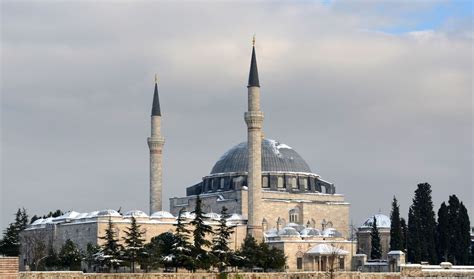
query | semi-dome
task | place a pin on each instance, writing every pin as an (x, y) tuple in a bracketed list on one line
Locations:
[(276, 157), (383, 221)]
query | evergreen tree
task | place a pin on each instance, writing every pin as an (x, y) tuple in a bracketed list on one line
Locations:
[(376, 248), (200, 243), (181, 255), (396, 242), (220, 245), (91, 254), (70, 256), (459, 232), (442, 233), (133, 247), (464, 228), (159, 251), (422, 227), (10, 243), (271, 258), (109, 255), (249, 253), (52, 260), (403, 225)]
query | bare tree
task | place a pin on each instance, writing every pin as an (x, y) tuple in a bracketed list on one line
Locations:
[(34, 247), (333, 257)]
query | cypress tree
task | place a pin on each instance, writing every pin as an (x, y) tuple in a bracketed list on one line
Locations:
[(181, 251), (396, 242), (453, 218), (403, 225), (201, 229), (442, 233), (220, 244), (464, 240), (133, 247), (422, 227), (376, 248), (110, 250)]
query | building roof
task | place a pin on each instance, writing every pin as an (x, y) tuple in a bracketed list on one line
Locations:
[(324, 249), (276, 157), (383, 221)]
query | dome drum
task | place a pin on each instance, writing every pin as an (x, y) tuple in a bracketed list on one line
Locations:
[(271, 181)]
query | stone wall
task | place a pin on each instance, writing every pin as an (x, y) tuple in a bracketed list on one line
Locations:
[(293, 275), (9, 267)]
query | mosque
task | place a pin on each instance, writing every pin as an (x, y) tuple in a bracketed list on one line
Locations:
[(274, 194)]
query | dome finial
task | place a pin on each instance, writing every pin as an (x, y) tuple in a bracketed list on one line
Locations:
[(156, 78)]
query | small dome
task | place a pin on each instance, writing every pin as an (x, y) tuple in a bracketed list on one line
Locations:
[(213, 216), (188, 215), (276, 157), (108, 212), (310, 232), (69, 215), (235, 217), (271, 233), (135, 213), (161, 215), (288, 231), (383, 221), (331, 232), (92, 214)]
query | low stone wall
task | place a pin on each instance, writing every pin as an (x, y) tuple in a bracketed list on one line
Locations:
[(407, 272), (9, 267), (292, 275)]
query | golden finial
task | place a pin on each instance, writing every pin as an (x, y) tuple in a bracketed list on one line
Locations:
[(253, 40), (156, 78)]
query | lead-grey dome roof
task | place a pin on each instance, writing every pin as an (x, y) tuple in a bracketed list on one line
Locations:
[(277, 157)]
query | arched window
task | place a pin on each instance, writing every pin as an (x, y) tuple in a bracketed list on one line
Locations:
[(280, 182), (294, 215), (294, 185), (221, 186), (304, 183), (265, 182)]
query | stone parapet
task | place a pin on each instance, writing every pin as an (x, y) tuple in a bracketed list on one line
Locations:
[(9, 267), (272, 275)]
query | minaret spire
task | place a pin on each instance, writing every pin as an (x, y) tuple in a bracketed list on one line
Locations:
[(254, 119), (155, 144), (155, 109), (253, 74)]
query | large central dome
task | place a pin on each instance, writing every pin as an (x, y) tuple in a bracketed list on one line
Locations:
[(276, 157)]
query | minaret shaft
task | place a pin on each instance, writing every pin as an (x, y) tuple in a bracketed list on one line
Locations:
[(254, 120), (155, 144)]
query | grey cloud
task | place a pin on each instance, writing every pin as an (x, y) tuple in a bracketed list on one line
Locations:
[(372, 112)]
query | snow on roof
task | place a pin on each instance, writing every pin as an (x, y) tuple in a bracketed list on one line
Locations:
[(68, 215), (324, 249), (271, 233), (288, 231), (135, 213), (395, 252), (82, 215), (235, 217), (212, 215), (108, 212), (383, 221), (310, 232), (92, 214), (188, 215), (331, 232), (162, 214)]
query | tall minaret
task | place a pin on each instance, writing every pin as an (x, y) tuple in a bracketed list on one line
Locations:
[(155, 144), (254, 120)]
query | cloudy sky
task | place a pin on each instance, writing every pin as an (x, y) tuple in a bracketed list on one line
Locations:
[(375, 95)]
